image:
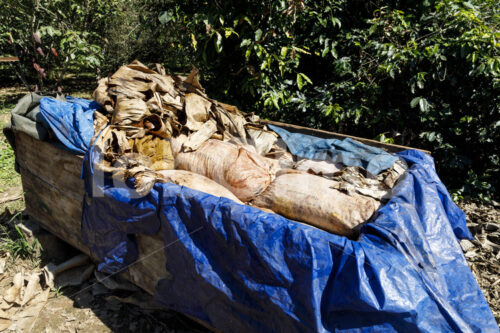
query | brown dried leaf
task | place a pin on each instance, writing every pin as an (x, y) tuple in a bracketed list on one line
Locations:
[(262, 140), (175, 102), (155, 125), (128, 111), (232, 125), (139, 66), (13, 294), (196, 139), (130, 84), (101, 93), (197, 111), (120, 91), (31, 288), (192, 79), (119, 143)]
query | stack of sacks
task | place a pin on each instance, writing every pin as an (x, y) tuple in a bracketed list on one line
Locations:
[(152, 122)]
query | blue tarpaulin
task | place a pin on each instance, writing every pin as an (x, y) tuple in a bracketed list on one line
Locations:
[(241, 269), (71, 121), (348, 152)]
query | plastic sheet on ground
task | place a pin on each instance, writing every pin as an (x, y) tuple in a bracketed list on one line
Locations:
[(239, 268)]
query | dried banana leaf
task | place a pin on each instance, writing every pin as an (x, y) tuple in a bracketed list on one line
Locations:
[(197, 111), (132, 131), (132, 160), (192, 79), (157, 150), (164, 83), (155, 103), (231, 125), (130, 84), (121, 91), (228, 107), (100, 122), (176, 102), (101, 95), (160, 69), (351, 180), (155, 125), (119, 142), (261, 139), (139, 66), (128, 111), (162, 158), (196, 139), (131, 72)]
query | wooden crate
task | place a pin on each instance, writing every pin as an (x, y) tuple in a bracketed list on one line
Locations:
[(54, 192)]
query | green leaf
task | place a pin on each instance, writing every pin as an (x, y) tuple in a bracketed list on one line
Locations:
[(218, 42), (300, 83), (334, 53), (165, 17), (325, 51), (194, 42), (245, 42), (301, 50), (258, 35), (306, 78), (424, 105), (284, 51), (414, 102), (274, 99), (336, 22)]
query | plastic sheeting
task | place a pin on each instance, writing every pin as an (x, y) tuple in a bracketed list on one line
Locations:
[(71, 121), (347, 151), (239, 268)]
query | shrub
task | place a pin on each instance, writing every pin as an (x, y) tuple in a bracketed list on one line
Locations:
[(423, 74)]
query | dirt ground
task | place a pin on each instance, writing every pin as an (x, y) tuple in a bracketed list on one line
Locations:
[(92, 306), (483, 253)]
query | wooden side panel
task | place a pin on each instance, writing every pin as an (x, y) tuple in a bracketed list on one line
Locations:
[(56, 167), (54, 193)]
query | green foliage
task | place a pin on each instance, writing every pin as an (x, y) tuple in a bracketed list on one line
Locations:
[(54, 37), (424, 74)]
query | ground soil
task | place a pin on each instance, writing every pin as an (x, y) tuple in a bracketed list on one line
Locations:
[(483, 253)]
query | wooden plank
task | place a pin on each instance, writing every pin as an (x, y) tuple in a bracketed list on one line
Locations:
[(58, 212), (392, 148), (57, 167), (9, 59)]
